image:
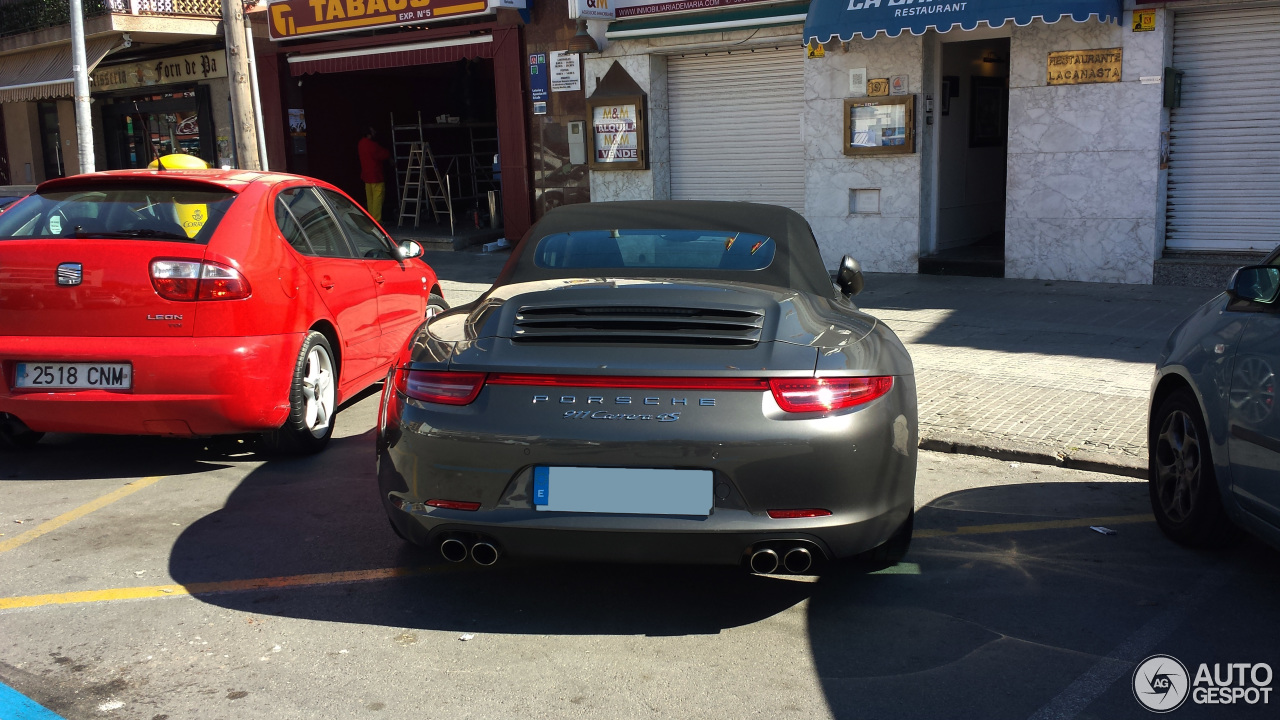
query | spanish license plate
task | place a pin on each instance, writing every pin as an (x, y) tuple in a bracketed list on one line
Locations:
[(74, 376), (638, 491)]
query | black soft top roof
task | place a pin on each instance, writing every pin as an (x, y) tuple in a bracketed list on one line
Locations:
[(796, 265)]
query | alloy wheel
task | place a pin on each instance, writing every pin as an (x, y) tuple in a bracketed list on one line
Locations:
[(318, 391), (1178, 465)]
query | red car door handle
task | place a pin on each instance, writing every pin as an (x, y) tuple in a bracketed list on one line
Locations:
[(377, 277), (326, 283)]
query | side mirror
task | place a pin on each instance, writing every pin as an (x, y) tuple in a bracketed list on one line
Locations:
[(849, 277), (409, 250), (1255, 283)]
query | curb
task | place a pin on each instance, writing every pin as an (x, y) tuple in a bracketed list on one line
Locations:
[(1015, 451)]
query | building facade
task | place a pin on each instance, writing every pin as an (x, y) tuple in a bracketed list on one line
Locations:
[(1080, 140)]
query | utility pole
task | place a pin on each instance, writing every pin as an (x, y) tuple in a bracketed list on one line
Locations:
[(246, 132), (80, 81)]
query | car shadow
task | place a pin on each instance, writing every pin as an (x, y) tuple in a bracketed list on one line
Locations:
[(956, 595), (60, 456)]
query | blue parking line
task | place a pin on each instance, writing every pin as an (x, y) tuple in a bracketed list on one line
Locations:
[(16, 706)]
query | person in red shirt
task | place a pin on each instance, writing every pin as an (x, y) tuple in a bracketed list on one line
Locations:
[(372, 156)]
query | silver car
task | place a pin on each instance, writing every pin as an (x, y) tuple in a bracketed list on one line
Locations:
[(1214, 440), (669, 382)]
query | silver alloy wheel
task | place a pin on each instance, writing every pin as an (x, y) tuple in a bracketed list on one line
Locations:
[(318, 391), (1178, 460), (434, 310)]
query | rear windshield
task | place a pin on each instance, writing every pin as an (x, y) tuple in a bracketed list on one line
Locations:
[(656, 249), (129, 212)]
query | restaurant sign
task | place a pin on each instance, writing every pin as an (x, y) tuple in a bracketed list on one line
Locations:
[(181, 69), (1077, 67), (308, 18)]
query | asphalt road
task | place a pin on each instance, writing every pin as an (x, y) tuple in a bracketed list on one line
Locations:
[(152, 578)]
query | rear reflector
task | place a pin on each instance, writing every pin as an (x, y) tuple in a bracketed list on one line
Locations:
[(793, 514), (454, 504), (186, 280), (445, 388), (824, 394)]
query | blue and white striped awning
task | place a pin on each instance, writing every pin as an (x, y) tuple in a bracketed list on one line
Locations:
[(846, 19)]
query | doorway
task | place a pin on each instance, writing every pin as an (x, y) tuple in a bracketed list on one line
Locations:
[(50, 140), (973, 143), (138, 129)]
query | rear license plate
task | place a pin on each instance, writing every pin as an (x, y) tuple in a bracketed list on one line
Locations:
[(639, 491), (74, 376)]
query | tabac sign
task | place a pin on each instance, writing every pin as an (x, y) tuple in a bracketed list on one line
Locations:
[(307, 18)]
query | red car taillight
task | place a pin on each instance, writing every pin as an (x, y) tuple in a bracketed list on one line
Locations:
[(824, 394), (186, 280), (446, 388)]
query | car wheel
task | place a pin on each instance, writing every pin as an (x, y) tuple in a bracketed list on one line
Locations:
[(313, 401), (24, 439), (1182, 483), (435, 305)]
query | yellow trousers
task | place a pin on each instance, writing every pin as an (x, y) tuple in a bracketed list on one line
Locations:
[(373, 196)]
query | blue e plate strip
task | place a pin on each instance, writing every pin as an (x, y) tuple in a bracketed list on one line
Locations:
[(16, 706), (540, 475)]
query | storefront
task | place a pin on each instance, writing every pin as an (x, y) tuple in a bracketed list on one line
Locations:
[(723, 88), (170, 101), (1000, 137), (454, 90)]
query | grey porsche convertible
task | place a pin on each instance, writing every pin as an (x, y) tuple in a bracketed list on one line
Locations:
[(662, 382)]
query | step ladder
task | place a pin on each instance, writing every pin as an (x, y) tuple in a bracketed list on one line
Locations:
[(416, 171)]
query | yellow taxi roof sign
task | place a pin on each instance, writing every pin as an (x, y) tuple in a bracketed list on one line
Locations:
[(180, 161)]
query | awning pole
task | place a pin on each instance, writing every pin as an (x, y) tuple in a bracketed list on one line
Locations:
[(80, 81)]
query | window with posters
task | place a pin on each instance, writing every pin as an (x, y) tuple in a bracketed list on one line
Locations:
[(618, 132)]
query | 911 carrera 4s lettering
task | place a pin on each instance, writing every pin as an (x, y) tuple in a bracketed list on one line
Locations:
[(605, 415)]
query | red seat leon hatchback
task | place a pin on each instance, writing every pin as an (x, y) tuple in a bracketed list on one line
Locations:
[(198, 302)]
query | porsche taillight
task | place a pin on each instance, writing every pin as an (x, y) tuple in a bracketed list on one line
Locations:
[(800, 395), (187, 280), (445, 388)]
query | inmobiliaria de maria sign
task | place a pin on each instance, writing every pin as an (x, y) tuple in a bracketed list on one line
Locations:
[(307, 18)]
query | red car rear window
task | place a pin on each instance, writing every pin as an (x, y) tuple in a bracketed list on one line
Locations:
[(134, 212)]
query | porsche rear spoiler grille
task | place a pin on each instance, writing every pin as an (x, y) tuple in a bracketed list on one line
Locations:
[(638, 325)]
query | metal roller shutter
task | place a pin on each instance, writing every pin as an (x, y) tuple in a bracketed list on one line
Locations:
[(735, 126), (1224, 162)]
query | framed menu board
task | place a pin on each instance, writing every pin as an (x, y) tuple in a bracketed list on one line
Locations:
[(879, 125), (617, 133)]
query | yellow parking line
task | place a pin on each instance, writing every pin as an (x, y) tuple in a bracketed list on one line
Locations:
[(208, 588), (1039, 525), (67, 517)]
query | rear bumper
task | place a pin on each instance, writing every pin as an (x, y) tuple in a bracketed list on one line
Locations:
[(181, 386), (859, 464)]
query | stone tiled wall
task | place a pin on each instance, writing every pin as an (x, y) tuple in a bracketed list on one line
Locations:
[(887, 241), (1084, 177)]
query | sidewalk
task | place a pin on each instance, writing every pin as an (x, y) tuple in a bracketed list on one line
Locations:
[(1025, 370), (1033, 370)]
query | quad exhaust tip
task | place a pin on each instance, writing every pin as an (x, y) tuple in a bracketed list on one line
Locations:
[(453, 550), (764, 561), (484, 554), (797, 560)]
